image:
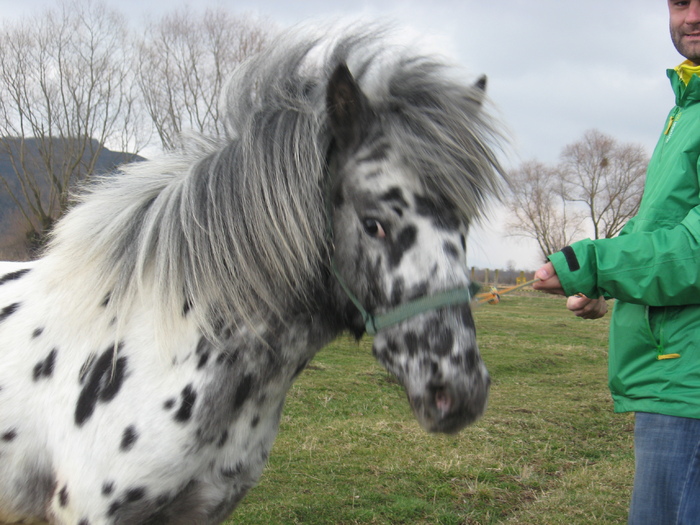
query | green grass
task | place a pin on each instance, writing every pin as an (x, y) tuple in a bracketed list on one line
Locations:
[(549, 449)]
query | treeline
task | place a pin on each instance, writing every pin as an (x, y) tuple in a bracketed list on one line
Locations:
[(592, 192), (497, 277), (77, 78)]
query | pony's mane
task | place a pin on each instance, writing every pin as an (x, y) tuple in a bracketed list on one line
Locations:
[(235, 227)]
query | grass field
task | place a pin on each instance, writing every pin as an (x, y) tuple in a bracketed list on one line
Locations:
[(548, 451)]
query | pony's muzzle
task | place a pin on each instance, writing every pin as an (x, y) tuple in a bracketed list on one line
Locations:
[(436, 359), (450, 408)]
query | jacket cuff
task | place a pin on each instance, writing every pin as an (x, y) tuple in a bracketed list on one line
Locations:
[(576, 268)]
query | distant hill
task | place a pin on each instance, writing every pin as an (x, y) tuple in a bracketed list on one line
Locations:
[(11, 232)]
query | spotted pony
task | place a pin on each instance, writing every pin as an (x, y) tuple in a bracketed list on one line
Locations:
[(145, 358)]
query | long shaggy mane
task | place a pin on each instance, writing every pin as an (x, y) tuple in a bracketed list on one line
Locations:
[(234, 228)]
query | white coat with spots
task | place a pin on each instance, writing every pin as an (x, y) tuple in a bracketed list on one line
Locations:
[(145, 358)]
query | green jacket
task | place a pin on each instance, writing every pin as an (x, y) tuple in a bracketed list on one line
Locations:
[(653, 270)]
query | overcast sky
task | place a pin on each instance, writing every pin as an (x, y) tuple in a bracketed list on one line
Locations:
[(556, 68)]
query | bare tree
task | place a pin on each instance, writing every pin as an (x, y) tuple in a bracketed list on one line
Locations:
[(606, 177), (539, 209), (185, 60), (65, 93)]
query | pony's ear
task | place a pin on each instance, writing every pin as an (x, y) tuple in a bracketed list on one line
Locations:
[(348, 108), (479, 90)]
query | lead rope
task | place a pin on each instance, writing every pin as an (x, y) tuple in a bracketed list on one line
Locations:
[(493, 296)]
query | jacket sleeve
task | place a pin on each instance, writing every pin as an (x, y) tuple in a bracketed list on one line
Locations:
[(657, 268)]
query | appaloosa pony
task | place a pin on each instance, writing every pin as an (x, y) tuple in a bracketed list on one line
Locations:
[(145, 359)]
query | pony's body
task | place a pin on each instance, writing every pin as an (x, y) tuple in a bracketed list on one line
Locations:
[(126, 438), (146, 358)]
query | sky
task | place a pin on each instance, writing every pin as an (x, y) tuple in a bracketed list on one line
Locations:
[(555, 69)]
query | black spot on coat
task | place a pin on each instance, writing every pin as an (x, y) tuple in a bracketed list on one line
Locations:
[(38, 487), (114, 508), (8, 436), (395, 196), (222, 439), (404, 241), (107, 488), (188, 396), (136, 506), (227, 358), (203, 350), (130, 496), (187, 307), (8, 311), (129, 438), (63, 497), (442, 214), (44, 369), (106, 300), (103, 383), (413, 343), (202, 361), (13, 276), (203, 346), (397, 291), (233, 471), (135, 494), (451, 250), (242, 392)]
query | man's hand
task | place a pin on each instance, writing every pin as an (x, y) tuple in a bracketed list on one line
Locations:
[(580, 305), (548, 280), (587, 308)]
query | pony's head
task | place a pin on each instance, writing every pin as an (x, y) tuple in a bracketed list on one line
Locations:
[(392, 153), (409, 172)]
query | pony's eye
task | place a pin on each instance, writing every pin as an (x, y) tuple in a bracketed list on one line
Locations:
[(374, 228)]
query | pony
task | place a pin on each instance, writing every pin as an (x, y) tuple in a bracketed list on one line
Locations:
[(147, 354)]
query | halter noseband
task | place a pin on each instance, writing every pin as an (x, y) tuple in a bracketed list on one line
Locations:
[(375, 323)]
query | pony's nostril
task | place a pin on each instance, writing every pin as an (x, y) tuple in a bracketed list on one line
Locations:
[(443, 401)]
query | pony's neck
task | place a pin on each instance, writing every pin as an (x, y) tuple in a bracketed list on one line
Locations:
[(305, 326)]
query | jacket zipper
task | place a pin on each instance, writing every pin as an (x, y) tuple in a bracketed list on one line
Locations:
[(660, 350), (675, 116)]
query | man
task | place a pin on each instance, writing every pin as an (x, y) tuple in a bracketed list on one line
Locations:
[(653, 271)]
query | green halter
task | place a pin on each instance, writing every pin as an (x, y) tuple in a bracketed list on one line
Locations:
[(375, 323)]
